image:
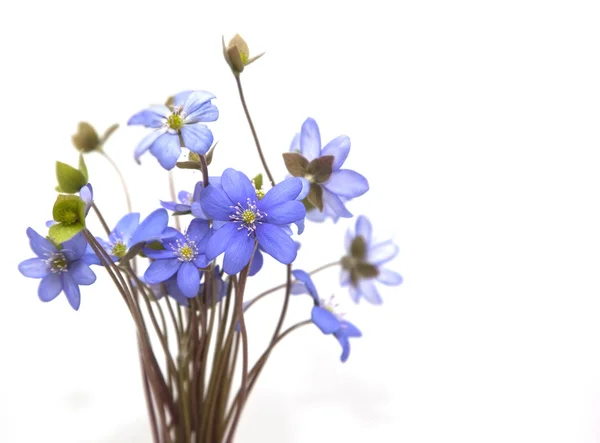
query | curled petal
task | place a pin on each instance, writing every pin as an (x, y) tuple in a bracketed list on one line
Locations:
[(126, 227), (146, 143), (308, 284), (153, 117), (257, 263), (325, 320)]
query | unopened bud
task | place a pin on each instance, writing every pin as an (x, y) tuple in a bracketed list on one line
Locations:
[(86, 139), (237, 54)]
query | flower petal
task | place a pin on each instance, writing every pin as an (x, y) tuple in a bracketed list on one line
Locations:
[(197, 138), (382, 253), (71, 290), (309, 286), (174, 291), (197, 211), (81, 273), (347, 183), (160, 254), (50, 287), (339, 147), (369, 291), (257, 263), (34, 267), (161, 270), (287, 190), (239, 252), (151, 227), (354, 294), (389, 278), (197, 230), (310, 139), (127, 226), (364, 228), (349, 330), (197, 107), (146, 143), (295, 145), (238, 187), (344, 278), (180, 98), (74, 248), (336, 204), (42, 247), (215, 203), (167, 150), (188, 280), (220, 240), (152, 117), (345, 344), (287, 212), (325, 320), (275, 242)]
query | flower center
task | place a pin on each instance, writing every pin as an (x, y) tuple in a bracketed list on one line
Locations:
[(247, 216), (175, 121), (188, 199), (332, 307), (58, 263), (119, 249), (186, 250)]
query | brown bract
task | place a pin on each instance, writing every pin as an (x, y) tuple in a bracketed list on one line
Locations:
[(316, 172)]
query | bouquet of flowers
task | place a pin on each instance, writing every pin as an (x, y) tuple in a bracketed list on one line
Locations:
[(184, 282)]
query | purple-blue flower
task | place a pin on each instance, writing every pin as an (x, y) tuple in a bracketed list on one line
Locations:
[(61, 269), (182, 256), (129, 232), (189, 202), (321, 169), (361, 267), (324, 314), (249, 220), (169, 288), (183, 119)]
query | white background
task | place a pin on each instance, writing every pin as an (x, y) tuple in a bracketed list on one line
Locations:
[(477, 125)]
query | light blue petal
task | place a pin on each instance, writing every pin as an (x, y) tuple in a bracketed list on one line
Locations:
[(238, 187), (220, 240), (147, 143), (153, 117), (198, 212), (345, 344), (275, 242), (50, 287), (257, 263), (174, 292), (185, 197), (347, 183), (364, 228), (81, 273), (34, 267), (354, 294), (196, 101), (188, 280), (369, 291), (42, 247), (167, 150), (197, 230), (305, 188), (339, 147), (310, 139), (295, 145), (335, 204), (284, 213), (306, 280), (71, 290), (381, 253), (238, 253), (205, 113), (300, 225), (344, 278), (287, 190), (126, 227), (197, 138), (74, 248), (215, 203), (325, 320), (180, 98), (349, 330), (151, 227), (161, 270), (161, 254), (389, 278)]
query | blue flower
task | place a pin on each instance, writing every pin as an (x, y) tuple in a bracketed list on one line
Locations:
[(61, 269), (183, 119), (249, 219), (182, 256), (330, 186), (324, 314), (169, 288), (190, 202), (361, 267), (129, 232)]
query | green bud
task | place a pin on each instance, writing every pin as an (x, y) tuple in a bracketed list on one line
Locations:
[(86, 139), (69, 212), (258, 181), (237, 54), (70, 180)]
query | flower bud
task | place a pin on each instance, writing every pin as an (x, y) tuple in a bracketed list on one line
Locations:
[(86, 139), (237, 54)]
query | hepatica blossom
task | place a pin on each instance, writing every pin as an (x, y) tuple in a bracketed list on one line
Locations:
[(60, 268), (249, 219), (361, 267), (182, 120), (183, 255), (325, 315), (330, 186)]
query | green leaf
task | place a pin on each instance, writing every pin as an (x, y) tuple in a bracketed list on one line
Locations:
[(83, 169), (108, 133), (70, 180), (210, 153), (61, 232), (258, 181), (295, 163), (188, 165)]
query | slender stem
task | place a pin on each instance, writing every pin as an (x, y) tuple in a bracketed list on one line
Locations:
[(204, 166), (174, 198), (101, 218), (114, 165), (149, 402), (286, 300), (260, 153)]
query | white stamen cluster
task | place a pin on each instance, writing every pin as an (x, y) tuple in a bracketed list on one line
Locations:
[(247, 216), (185, 251), (332, 307)]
